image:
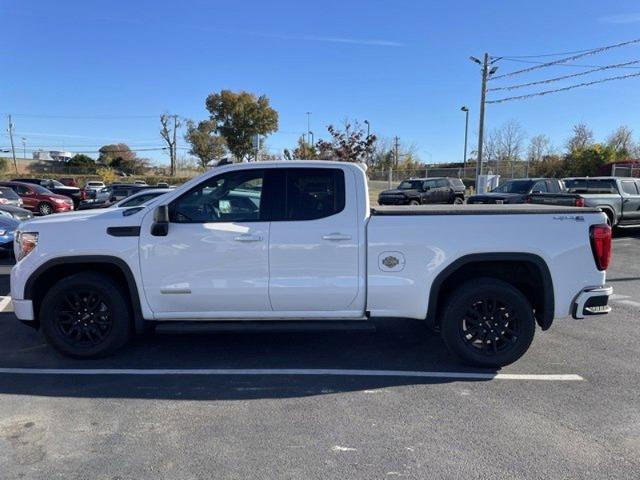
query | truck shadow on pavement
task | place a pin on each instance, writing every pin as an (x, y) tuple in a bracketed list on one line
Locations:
[(394, 345)]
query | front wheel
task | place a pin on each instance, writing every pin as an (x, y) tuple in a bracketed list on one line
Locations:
[(85, 315), (45, 208), (414, 202), (488, 323), (458, 201)]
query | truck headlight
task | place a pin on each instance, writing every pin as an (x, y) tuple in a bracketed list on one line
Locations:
[(27, 242)]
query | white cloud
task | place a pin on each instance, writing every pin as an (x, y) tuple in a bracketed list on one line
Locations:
[(621, 18)]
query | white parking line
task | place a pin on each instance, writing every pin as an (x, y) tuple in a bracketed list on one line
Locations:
[(293, 371), (5, 304)]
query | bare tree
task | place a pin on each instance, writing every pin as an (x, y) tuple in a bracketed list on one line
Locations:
[(170, 135), (505, 144), (582, 138), (539, 148), (621, 141)]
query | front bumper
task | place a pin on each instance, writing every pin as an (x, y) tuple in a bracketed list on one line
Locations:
[(393, 201), (592, 301), (23, 309)]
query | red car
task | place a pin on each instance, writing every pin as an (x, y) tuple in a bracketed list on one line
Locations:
[(38, 199)]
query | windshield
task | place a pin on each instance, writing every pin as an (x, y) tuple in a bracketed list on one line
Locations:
[(514, 186), (40, 190), (56, 183), (6, 192), (410, 185)]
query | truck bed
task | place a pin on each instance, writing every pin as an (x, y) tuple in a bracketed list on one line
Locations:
[(480, 209)]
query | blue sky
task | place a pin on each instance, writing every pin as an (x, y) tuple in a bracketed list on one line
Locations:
[(403, 65)]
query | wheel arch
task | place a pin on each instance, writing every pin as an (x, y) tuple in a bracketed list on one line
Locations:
[(51, 270), (536, 283)]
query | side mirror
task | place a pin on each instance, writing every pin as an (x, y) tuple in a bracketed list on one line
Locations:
[(160, 225)]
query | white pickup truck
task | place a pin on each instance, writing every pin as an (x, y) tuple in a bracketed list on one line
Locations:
[(298, 241)]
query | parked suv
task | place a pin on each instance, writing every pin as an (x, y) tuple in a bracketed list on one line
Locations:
[(54, 186), (518, 190), (422, 191), (38, 199)]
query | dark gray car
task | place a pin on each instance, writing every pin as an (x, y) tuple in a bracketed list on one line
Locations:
[(517, 190), (424, 191)]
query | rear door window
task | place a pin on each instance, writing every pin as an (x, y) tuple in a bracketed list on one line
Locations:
[(629, 187), (442, 183), (539, 187), (312, 193)]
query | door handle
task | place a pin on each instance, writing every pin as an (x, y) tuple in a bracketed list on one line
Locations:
[(248, 238), (336, 237)]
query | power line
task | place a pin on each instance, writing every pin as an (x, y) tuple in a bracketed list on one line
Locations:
[(83, 117), (561, 64), (548, 54), (563, 77), (568, 59), (564, 89)]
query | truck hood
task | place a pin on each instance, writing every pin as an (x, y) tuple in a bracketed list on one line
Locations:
[(492, 197), (397, 192), (89, 217)]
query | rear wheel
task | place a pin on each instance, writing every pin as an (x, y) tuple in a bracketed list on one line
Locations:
[(414, 202), (85, 315), (45, 208), (488, 323), (458, 201)]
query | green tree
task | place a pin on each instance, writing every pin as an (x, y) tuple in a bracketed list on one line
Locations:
[(120, 157), (348, 145), (304, 150), (586, 161), (205, 144), (239, 118), (81, 160)]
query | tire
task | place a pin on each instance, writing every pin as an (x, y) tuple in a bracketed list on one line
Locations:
[(458, 201), (470, 340), (86, 315), (45, 208), (414, 202)]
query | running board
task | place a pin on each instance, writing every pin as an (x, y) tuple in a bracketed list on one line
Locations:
[(249, 326)]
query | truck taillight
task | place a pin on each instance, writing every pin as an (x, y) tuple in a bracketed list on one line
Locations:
[(601, 245), (579, 202)]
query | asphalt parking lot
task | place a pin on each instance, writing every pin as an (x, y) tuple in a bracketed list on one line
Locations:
[(110, 423)]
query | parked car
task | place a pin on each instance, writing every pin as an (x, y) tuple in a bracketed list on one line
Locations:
[(8, 227), (297, 241), (11, 205), (9, 197), (140, 182), (423, 191), (38, 199), (58, 188), (618, 198), (68, 181), (141, 197), (517, 190), (94, 185), (17, 213), (162, 185), (118, 191)]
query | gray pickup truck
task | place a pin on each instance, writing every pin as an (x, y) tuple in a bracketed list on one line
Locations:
[(619, 198)]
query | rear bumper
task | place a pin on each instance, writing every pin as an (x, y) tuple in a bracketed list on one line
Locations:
[(592, 301)]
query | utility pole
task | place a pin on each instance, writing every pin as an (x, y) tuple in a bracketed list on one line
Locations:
[(13, 147), (308, 122), (396, 151), (24, 148), (174, 153), (483, 97)]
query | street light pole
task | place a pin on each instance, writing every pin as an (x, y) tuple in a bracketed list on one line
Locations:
[(466, 133), (24, 148), (308, 122)]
